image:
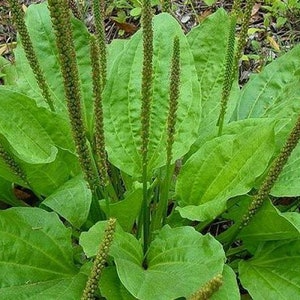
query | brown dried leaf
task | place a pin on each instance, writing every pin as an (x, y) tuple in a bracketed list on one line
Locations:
[(127, 27), (204, 15), (273, 43)]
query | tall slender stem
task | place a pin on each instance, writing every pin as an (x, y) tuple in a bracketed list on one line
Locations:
[(98, 9), (161, 213), (60, 15), (18, 16), (146, 111), (228, 72)]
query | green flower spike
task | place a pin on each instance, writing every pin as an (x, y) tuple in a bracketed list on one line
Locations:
[(174, 91), (12, 164), (74, 7), (166, 5), (269, 181), (208, 289), (99, 262), (273, 174), (174, 95), (236, 7), (228, 73), (60, 15), (98, 111), (98, 9), (146, 110), (18, 18), (243, 32)]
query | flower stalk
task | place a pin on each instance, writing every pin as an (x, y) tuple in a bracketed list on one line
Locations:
[(208, 289), (98, 112), (60, 15), (98, 9), (228, 72), (147, 82), (74, 8), (99, 262), (273, 174), (174, 92), (18, 18), (243, 32), (12, 164)]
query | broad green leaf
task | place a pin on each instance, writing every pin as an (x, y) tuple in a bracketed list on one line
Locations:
[(208, 44), (223, 168), (37, 261), (40, 29), (287, 183), (47, 178), (273, 272), (35, 136), (68, 288), (20, 125), (44, 179), (91, 240), (111, 287), (122, 100), (268, 224), (266, 93), (274, 94), (72, 201), (33, 132), (229, 290), (127, 210), (114, 49), (179, 261)]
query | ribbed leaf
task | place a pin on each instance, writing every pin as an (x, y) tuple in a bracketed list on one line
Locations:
[(36, 260), (35, 137), (40, 29), (268, 225), (273, 272), (72, 201), (224, 167), (208, 44), (179, 261), (122, 100), (266, 91), (274, 93), (20, 125)]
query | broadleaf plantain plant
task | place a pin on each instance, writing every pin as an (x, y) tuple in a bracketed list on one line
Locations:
[(155, 133)]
